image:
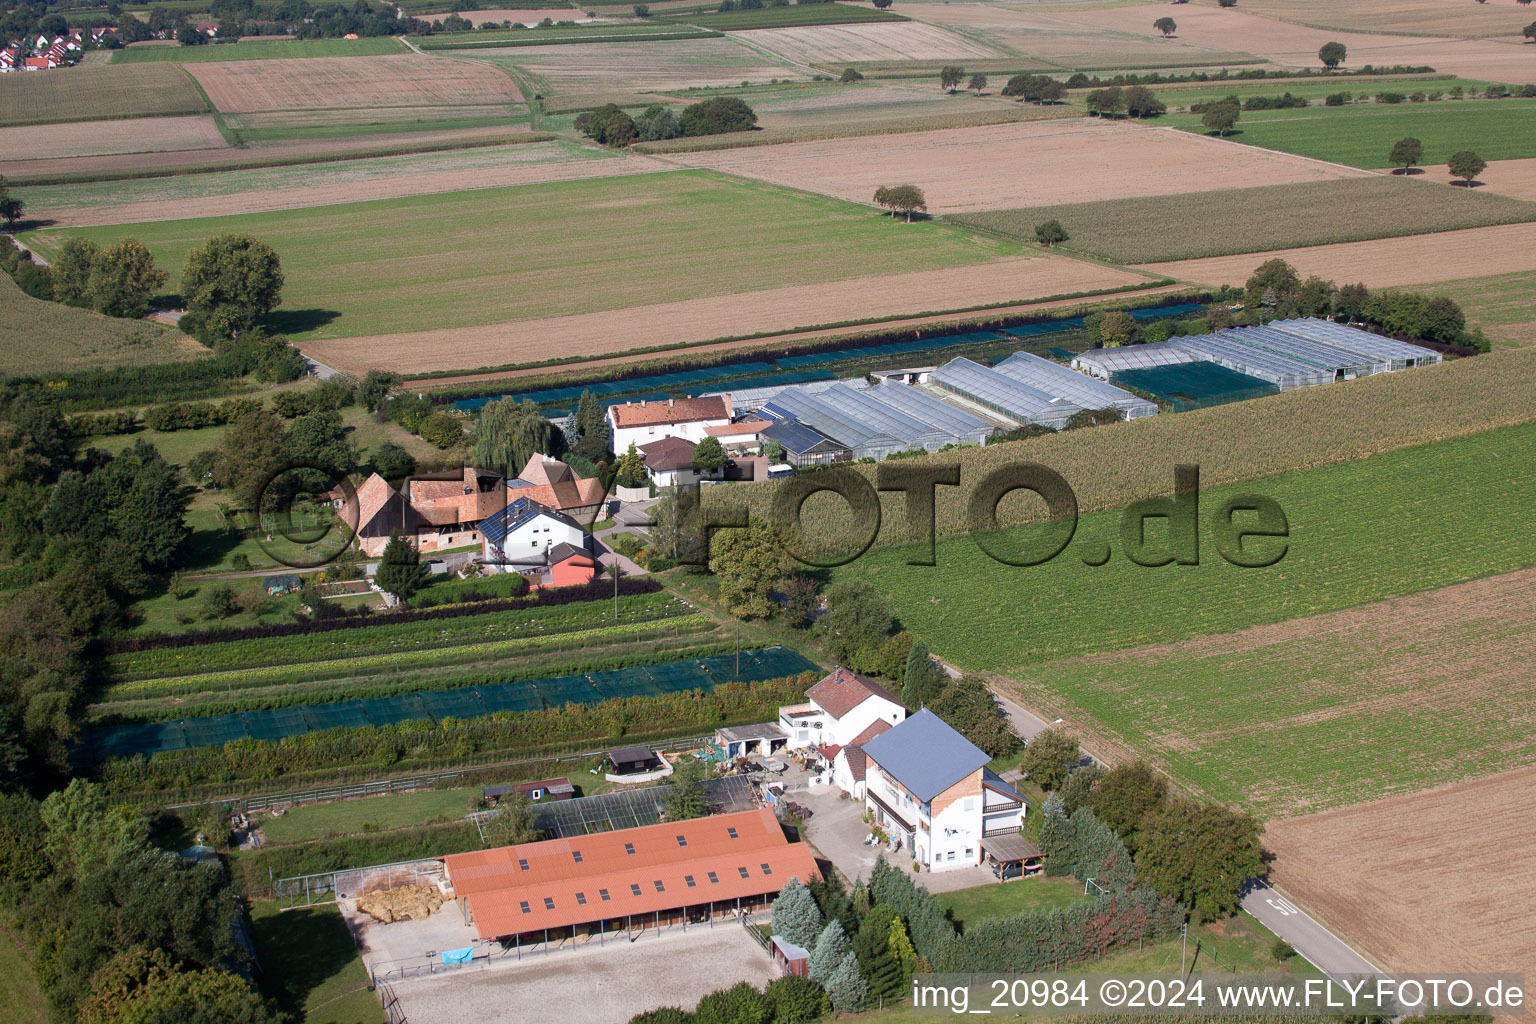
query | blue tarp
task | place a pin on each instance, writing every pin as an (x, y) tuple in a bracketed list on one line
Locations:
[(458, 956)]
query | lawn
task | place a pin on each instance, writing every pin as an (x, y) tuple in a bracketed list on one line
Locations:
[(98, 92), (1362, 135), (972, 906), (480, 257), (1229, 221), (374, 814), (311, 966), (365, 47), (787, 17), (1505, 305), (18, 989)]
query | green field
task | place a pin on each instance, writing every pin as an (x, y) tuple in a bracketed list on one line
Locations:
[(480, 257), (1221, 223), (972, 906), (561, 34), (1363, 135), (95, 92), (1505, 304), (787, 17), (365, 47), (18, 988), (311, 966), (374, 814)]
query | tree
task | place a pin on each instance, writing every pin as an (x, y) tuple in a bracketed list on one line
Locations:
[(908, 199), (1098, 853), (1111, 329), (739, 1004), (1142, 102), (709, 456), (230, 282), (642, 10), (509, 433), (717, 116), (1405, 153), (84, 830), (773, 451), (856, 623), (250, 455), (400, 570), (750, 564), (164, 993), (846, 987), (686, 796), (1332, 55), (978, 82), (1275, 278), (849, 75), (1530, 30), (1442, 320), (319, 440), (1221, 117), (901, 949), (796, 916), (950, 76), (922, 681), (375, 389), (827, 955), (657, 122), (793, 999), (1106, 101), (71, 271), (1077, 790), (514, 821), (969, 707), (1050, 233), (123, 278), (442, 430), (1124, 796), (591, 425), (1200, 854), (1466, 165), (1049, 756), (1166, 25), (872, 947), (800, 601), (1055, 836), (11, 208), (883, 200), (1226, 3)]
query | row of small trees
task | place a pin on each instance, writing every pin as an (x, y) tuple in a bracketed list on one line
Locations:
[(908, 199), (1465, 165)]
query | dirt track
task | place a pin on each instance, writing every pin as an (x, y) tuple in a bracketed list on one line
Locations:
[(1037, 163), (1442, 880), (1416, 259), (701, 320)]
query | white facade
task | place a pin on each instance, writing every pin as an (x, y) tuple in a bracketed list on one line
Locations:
[(529, 543), (688, 427), (811, 725), (946, 832)]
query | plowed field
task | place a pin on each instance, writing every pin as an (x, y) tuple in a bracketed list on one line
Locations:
[(104, 138), (852, 44), (406, 80)]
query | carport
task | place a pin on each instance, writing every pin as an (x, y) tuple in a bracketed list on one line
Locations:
[(1012, 856)]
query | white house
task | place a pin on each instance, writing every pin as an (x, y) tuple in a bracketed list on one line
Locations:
[(642, 422), (523, 534), (929, 788), (670, 463), (838, 710)]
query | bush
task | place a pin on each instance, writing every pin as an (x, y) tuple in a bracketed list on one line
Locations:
[(717, 116), (1337, 99), (1390, 97)]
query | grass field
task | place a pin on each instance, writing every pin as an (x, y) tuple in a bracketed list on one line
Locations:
[(365, 47), (470, 258), (1505, 305), (38, 336), (375, 814), (311, 966), (1423, 17), (18, 989), (1363, 135), (600, 33), (96, 93), (787, 17), (1243, 220), (972, 906)]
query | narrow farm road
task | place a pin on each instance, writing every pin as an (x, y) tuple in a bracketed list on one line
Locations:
[(1319, 946)]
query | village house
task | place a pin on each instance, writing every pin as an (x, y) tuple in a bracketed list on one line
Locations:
[(669, 462), (450, 506), (840, 715), (557, 486), (525, 534), (640, 423)]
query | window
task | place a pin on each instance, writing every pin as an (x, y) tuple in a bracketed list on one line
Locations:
[(634, 887), (689, 879), (522, 864), (951, 855), (743, 872), (968, 853), (602, 894), (524, 905), (659, 886), (538, 794), (576, 855), (549, 903), (731, 832), (682, 840), (581, 899), (713, 879), (629, 848), (767, 870)]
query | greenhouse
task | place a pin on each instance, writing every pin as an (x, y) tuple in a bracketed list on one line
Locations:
[(1343, 364), (870, 429), (1002, 394), (961, 426), (1104, 362), (1398, 355), (1078, 388), (751, 399), (1285, 372)]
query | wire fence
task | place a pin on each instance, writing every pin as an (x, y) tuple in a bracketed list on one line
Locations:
[(394, 1013)]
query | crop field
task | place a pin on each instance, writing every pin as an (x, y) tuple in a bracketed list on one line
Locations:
[(854, 44), (1420, 17), (1362, 135), (465, 259), (274, 188), (788, 17), (1362, 870), (1515, 178), (597, 69), (104, 138), (38, 336), (1504, 305), (1320, 712), (317, 82), (970, 169), (812, 104), (1425, 259), (554, 36), (1247, 220), (97, 92), (530, 15), (365, 47)]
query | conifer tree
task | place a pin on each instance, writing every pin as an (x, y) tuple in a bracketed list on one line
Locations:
[(828, 953), (796, 917), (846, 985)]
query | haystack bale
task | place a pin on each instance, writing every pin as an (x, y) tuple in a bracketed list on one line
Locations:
[(402, 903)]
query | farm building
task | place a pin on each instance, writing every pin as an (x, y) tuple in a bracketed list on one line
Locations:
[(1001, 394), (542, 789), (1055, 379), (524, 534), (645, 421), (1397, 355), (686, 872)]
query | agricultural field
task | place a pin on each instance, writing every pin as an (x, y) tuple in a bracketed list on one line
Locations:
[(1361, 871), (969, 169), (1399, 17), (1423, 260), (366, 47), (1362, 135), (39, 337), (97, 92), (106, 138), (787, 17), (1504, 305), (1515, 178), (586, 33), (1319, 712), (811, 105), (312, 83), (445, 260), (1247, 220), (856, 44), (614, 70)]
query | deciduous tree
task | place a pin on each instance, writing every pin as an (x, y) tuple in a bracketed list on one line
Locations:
[(1466, 165), (686, 796), (1166, 25), (1124, 796), (1050, 233), (1332, 54), (230, 282), (857, 622), (969, 707), (375, 389), (978, 82), (123, 279), (1221, 117), (709, 456), (908, 199), (509, 433), (1200, 854), (514, 822), (950, 76), (1049, 756), (71, 271), (750, 564), (1406, 153)]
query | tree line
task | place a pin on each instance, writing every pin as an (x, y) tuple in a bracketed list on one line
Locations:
[(611, 125)]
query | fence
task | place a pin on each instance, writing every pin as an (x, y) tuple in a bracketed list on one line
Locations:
[(758, 935), (329, 886), (394, 1013)]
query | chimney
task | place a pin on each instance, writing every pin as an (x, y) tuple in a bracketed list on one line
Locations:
[(642, 403), (671, 402)]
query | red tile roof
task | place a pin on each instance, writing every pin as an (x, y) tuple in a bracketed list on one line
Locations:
[(746, 426), (858, 763), (555, 485), (373, 497), (673, 410), (497, 886), (460, 500), (842, 691)]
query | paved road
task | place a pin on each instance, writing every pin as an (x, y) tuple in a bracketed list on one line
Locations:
[(1323, 949)]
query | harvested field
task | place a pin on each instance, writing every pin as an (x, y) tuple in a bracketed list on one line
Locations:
[(266, 49), (853, 44), (1515, 178), (1419, 17), (371, 116), (1504, 305), (255, 191), (788, 17), (105, 138), (318, 82), (524, 16), (1318, 712), (1243, 220), (596, 68), (97, 92), (1415, 260), (693, 321), (1442, 880), (42, 337), (1039, 163), (808, 104)]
